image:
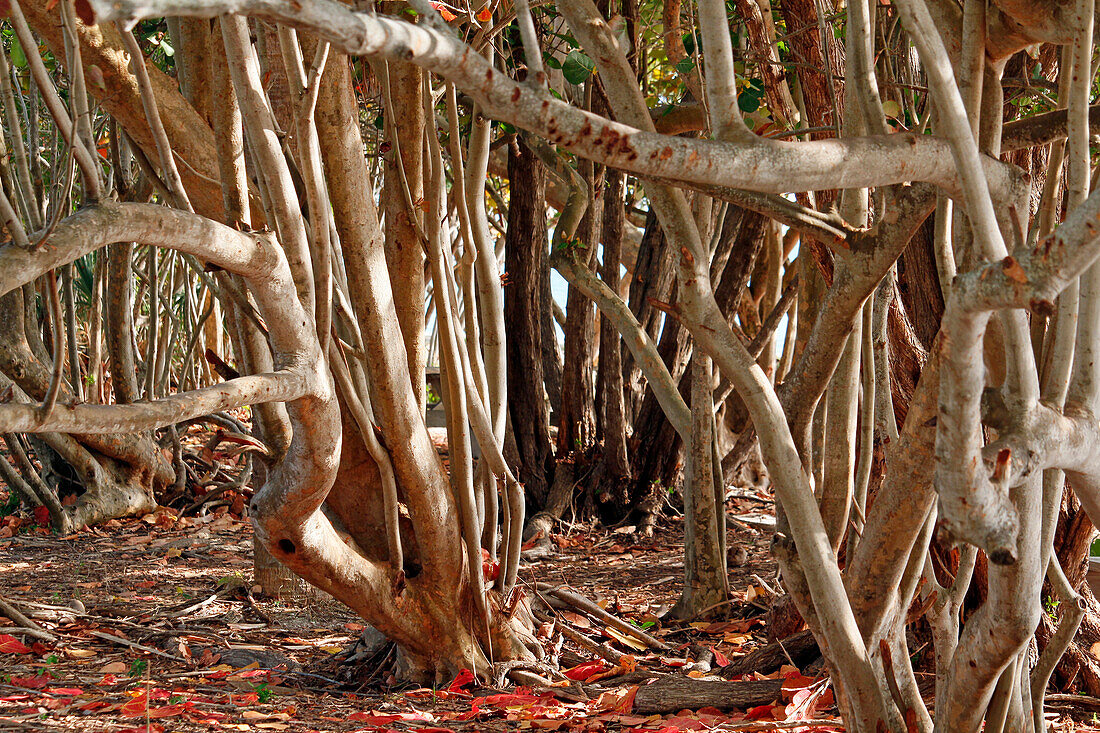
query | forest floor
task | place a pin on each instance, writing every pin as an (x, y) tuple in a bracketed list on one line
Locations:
[(155, 629)]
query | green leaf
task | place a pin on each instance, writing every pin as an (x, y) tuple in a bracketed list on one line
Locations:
[(18, 58), (168, 50), (577, 67), (550, 61), (685, 64), (689, 42)]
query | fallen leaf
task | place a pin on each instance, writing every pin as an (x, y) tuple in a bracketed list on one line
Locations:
[(10, 645), (625, 640), (447, 14), (463, 678), (582, 672), (80, 653)]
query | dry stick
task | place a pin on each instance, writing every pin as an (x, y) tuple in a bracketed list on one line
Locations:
[(777, 724), (600, 650), (30, 628), (140, 647), (583, 604)]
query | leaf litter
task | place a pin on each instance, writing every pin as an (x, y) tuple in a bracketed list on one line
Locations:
[(158, 631)]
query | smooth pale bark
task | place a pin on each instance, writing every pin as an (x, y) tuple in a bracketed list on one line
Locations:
[(763, 165), (404, 177)]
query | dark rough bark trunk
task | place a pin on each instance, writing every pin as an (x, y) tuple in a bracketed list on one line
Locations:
[(552, 360), (577, 418), (652, 280), (614, 471), (657, 450), (525, 254), (822, 95), (919, 285)]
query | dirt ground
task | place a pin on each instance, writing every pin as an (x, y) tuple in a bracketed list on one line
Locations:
[(155, 628)]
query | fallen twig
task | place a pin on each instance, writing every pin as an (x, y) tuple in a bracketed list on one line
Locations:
[(29, 627), (581, 603), (776, 724), (600, 650), (134, 645)]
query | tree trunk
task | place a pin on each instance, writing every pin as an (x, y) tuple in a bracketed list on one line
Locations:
[(525, 261)]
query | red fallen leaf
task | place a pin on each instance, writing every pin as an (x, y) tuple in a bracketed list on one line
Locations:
[(447, 14), (505, 699), (168, 711), (42, 515), (760, 712), (626, 704), (252, 673), (719, 658), (15, 698), (463, 678), (39, 648), (582, 672), (489, 567), (136, 707), (384, 718), (484, 15), (34, 683), (69, 691), (95, 705), (10, 645), (797, 680)]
